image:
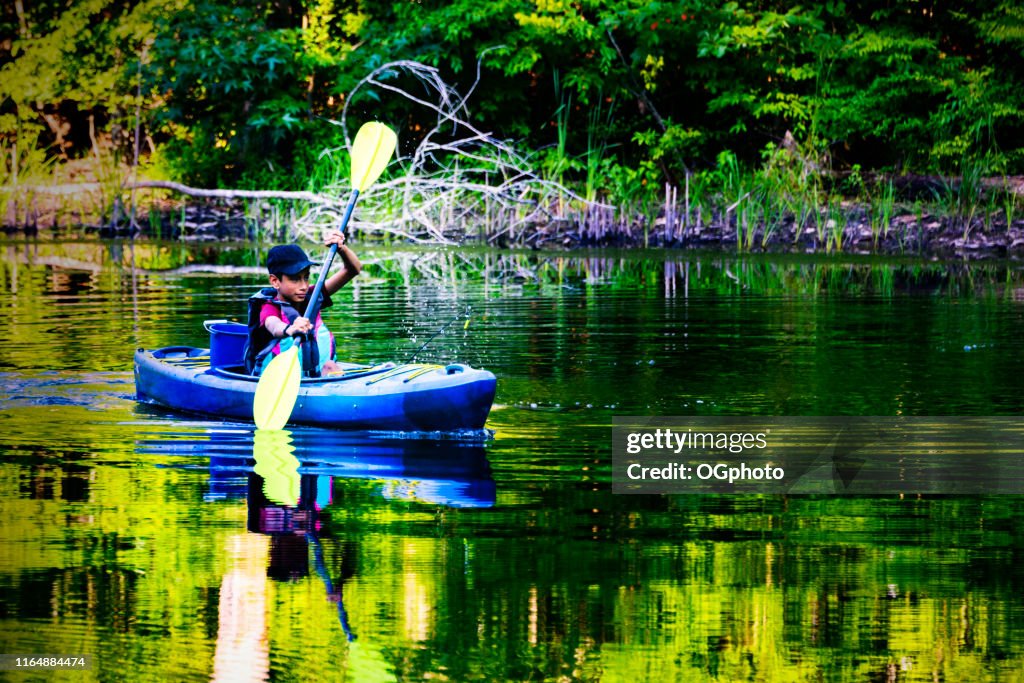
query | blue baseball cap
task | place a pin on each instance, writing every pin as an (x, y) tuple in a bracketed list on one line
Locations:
[(287, 259)]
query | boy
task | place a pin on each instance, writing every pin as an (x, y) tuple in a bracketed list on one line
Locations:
[(277, 313)]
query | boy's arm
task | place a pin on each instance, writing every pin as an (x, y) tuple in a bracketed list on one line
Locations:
[(280, 328), (350, 264), (275, 326)]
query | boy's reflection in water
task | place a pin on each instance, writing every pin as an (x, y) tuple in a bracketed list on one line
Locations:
[(294, 530)]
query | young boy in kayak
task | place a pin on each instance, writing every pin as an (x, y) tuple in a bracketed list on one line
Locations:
[(277, 313)]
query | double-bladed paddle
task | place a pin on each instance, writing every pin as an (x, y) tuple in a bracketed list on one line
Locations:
[(279, 383)]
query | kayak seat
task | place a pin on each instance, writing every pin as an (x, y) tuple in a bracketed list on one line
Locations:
[(237, 369), (180, 352)]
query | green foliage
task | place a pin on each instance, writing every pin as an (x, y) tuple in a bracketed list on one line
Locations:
[(68, 76), (238, 106), (242, 94), (633, 185)]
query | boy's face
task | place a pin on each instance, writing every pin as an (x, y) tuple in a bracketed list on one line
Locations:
[(291, 288)]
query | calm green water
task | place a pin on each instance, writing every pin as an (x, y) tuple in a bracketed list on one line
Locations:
[(151, 542)]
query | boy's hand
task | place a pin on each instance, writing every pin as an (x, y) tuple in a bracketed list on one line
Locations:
[(334, 237), (299, 326)]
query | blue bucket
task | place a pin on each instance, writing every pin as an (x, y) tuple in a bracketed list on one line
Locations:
[(227, 342)]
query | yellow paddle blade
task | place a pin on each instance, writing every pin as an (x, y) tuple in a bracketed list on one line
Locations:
[(277, 390), (371, 152), (276, 463)]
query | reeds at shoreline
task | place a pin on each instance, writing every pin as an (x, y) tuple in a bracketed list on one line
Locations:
[(782, 206)]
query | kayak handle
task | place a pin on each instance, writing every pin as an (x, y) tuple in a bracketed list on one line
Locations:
[(210, 323)]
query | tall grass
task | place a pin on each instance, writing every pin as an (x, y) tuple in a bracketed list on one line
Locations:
[(991, 200), (599, 120), (1009, 204), (736, 186), (835, 226), (699, 199), (960, 200), (559, 162), (791, 188), (880, 210), (21, 169), (111, 177), (771, 190)]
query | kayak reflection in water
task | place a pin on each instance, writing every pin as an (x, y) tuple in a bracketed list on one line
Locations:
[(287, 498)]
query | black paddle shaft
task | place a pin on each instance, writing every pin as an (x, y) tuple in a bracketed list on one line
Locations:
[(313, 307)]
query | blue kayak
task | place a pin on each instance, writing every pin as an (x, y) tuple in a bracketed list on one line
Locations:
[(410, 397)]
